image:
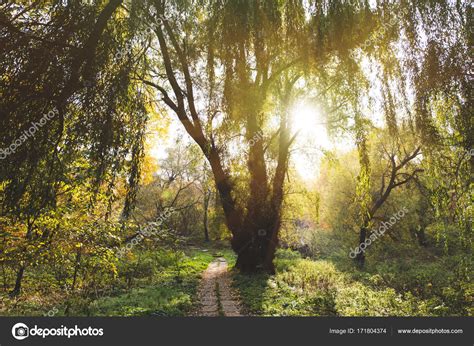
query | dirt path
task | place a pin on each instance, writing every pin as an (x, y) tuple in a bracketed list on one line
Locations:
[(216, 296)]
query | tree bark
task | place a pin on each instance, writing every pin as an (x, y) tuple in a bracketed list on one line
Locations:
[(19, 277), (421, 236), (360, 258), (207, 197)]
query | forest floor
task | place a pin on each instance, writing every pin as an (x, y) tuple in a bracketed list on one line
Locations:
[(215, 293), (333, 286), (201, 280)]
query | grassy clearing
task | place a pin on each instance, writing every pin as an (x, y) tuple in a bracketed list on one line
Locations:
[(172, 293), (304, 287), (161, 283)]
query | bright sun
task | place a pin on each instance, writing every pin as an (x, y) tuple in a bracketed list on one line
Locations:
[(307, 120)]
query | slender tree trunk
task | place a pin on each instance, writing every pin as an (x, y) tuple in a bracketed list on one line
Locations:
[(76, 269), (74, 280), (360, 258), (19, 277), (207, 197), (421, 236), (5, 281)]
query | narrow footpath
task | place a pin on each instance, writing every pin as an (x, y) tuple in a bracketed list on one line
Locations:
[(216, 296)]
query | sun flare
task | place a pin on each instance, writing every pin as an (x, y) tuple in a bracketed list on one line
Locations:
[(308, 122)]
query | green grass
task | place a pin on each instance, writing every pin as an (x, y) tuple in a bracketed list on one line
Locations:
[(287, 293), (228, 254), (164, 283), (159, 283), (304, 287), (160, 301), (172, 293)]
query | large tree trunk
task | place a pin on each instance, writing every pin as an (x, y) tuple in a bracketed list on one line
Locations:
[(256, 244), (255, 251), (253, 243)]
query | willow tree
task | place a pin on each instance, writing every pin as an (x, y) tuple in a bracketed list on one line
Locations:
[(419, 50), (228, 69), (61, 57), (405, 64), (240, 48)]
